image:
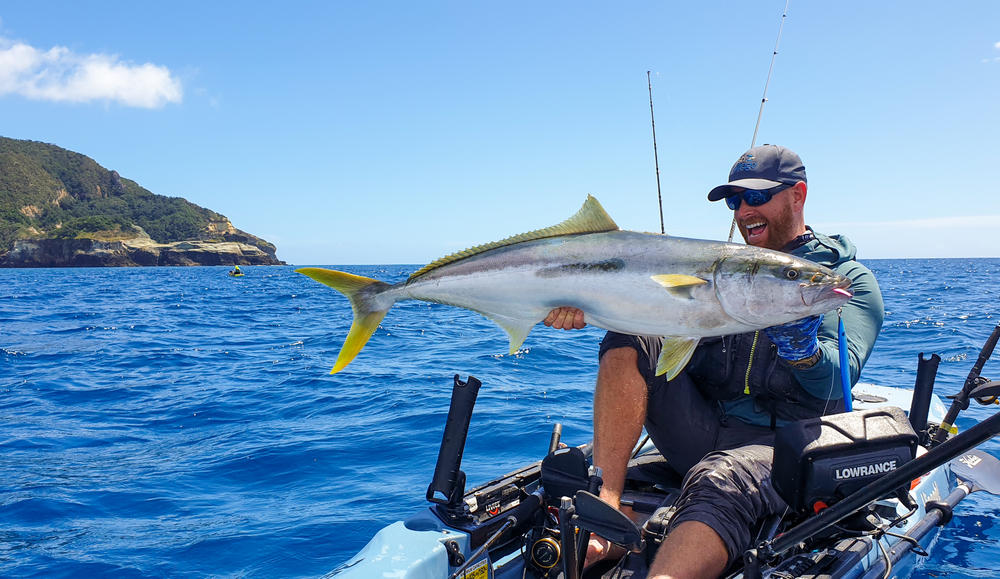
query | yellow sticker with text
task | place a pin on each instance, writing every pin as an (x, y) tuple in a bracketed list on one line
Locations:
[(480, 570)]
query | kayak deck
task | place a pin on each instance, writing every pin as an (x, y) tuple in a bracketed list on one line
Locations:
[(430, 546)]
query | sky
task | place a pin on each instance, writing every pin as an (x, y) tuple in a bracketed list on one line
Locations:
[(398, 131)]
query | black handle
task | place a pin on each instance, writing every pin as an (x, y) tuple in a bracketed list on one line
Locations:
[(922, 391), (447, 473), (556, 435)]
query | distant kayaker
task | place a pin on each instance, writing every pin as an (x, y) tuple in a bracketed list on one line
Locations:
[(236, 270), (715, 422)]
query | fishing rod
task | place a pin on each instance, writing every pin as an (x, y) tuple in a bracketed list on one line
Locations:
[(656, 159), (763, 98), (961, 400)]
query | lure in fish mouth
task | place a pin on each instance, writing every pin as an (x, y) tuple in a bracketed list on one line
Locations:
[(625, 281)]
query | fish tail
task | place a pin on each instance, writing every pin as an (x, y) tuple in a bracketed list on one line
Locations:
[(367, 315)]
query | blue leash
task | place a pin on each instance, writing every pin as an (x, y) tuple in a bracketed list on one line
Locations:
[(845, 367)]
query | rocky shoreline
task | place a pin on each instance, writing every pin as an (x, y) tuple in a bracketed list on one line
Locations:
[(139, 251), (59, 208)]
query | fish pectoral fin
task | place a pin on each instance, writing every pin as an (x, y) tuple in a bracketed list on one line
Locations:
[(676, 353), (517, 329), (678, 284)]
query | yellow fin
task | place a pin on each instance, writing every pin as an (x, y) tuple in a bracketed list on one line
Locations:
[(361, 331), (517, 330), (591, 218), (366, 316), (678, 284), (675, 355), (672, 280)]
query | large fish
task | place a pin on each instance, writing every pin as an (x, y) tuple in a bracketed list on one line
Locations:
[(626, 281)]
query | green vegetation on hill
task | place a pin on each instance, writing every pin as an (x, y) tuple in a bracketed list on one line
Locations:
[(49, 192)]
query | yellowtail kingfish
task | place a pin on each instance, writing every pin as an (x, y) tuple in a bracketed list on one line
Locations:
[(626, 281)]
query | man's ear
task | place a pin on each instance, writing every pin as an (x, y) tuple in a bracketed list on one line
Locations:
[(799, 191)]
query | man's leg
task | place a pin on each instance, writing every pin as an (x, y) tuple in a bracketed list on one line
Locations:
[(723, 499), (692, 550), (685, 427)]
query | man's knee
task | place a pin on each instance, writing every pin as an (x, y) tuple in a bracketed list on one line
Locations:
[(692, 550)]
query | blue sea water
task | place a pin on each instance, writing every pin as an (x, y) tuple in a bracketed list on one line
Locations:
[(175, 422)]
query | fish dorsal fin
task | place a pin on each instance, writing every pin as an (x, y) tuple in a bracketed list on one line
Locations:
[(591, 218)]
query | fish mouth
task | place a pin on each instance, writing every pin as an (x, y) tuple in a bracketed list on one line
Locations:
[(826, 287)]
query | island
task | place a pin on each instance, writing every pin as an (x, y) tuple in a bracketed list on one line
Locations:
[(59, 208)]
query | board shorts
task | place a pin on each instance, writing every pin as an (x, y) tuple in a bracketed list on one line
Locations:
[(726, 463)]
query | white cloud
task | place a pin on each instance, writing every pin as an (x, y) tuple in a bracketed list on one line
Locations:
[(995, 58), (60, 75)]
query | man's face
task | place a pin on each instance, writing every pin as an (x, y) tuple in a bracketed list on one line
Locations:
[(771, 225)]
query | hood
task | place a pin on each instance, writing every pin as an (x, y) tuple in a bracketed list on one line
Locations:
[(828, 250)]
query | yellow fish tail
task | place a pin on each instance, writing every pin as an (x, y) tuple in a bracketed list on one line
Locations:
[(359, 290)]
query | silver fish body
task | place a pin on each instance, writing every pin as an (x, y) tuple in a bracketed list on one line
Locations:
[(626, 281), (610, 277)]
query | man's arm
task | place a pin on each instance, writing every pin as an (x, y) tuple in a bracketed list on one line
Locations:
[(619, 415)]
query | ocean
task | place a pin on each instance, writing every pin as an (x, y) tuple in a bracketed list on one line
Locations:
[(176, 422)]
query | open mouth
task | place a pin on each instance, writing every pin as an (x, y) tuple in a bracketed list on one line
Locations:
[(755, 229)]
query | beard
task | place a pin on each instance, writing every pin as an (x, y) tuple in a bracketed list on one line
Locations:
[(780, 228)]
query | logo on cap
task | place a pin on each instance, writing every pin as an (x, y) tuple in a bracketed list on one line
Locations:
[(746, 163)]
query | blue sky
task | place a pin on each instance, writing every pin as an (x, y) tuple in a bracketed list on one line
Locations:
[(397, 132)]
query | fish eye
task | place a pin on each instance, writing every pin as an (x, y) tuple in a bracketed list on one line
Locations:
[(791, 273)]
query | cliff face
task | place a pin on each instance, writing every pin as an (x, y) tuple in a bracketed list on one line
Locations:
[(60, 208), (132, 252)]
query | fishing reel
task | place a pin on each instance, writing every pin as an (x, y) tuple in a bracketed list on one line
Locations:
[(985, 391), (545, 548), (564, 472)]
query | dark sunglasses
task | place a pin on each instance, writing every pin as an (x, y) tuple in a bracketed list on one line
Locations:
[(753, 197)]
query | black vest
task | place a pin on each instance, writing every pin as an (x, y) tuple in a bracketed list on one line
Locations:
[(724, 368)]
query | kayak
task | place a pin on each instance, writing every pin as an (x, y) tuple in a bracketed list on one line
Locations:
[(868, 491), (231, 274)]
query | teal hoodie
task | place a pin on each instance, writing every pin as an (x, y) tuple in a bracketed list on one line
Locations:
[(862, 315)]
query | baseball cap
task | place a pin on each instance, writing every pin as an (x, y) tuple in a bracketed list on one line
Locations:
[(762, 167)]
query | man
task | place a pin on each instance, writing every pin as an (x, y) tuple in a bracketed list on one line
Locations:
[(715, 422)]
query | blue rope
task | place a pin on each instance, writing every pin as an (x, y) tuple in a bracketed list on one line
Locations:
[(845, 367)]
